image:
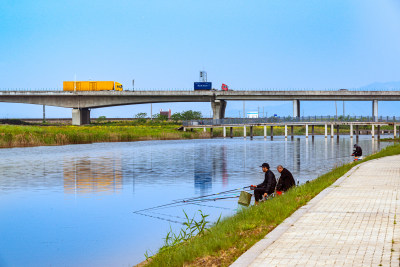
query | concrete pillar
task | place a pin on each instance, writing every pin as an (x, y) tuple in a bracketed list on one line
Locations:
[(212, 131), (379, 132), (296, 108), (184, 129), (351, 130), (251, 132), (292, 131), (272, 132), (373, 131), (244, 131), (218, 108), (332, 132), (326, 130), (337, 131), (375, 109), (285, 131), (357, 132), (394, 131), (312, 131), (306, 130), (224, 131), (204, 129), (265, 131), (231, 132), (80, 116)]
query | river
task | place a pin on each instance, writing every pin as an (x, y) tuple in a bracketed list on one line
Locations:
[(73, 205)]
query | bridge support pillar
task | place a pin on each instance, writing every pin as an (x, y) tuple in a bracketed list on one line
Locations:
[(312, 131), (351, 130), (272, 132), (244, 131), (251, 132), (375, 109), (332, 132), (224, 131), (326, 130), (337, 131), (296, 108), (265, 132), (218, 107), (292, 131), (285, 131), (357, 132), (394, 130), (306, 130), (80, 116), (379, 132), (373, 131), (231, 132)]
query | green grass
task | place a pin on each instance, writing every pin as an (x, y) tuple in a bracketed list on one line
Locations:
[(23, 135), (225, 242)]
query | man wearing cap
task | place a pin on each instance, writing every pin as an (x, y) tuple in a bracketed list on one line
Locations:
[(266, 187)]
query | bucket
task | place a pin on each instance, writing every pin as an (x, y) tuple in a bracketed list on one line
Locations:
[(244, 198), (279, 193)]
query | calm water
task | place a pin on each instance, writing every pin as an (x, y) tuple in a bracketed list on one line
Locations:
[(73, 205)]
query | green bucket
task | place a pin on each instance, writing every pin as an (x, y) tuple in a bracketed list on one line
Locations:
[(244, 198)]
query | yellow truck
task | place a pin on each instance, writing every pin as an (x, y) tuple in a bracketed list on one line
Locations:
[(92, 86)]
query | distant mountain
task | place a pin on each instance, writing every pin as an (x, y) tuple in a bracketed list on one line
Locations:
[(386, 85)]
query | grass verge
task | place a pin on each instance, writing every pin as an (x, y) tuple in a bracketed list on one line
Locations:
[(24, 136), (225, 242)]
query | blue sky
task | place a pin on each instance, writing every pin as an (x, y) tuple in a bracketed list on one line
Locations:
[(163, 44)]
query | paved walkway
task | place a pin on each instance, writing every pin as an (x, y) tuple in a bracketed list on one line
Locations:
[(355, 222)]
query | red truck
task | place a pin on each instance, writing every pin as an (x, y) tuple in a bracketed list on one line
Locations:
[(224, 87)]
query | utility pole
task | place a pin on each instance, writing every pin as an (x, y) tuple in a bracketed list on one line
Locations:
[(343, 108), (44, 113), (258, 111), (244, 109), (151, 111), (263, 113), (336, 108)]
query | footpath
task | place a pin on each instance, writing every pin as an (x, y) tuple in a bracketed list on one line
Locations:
[(354, 222)]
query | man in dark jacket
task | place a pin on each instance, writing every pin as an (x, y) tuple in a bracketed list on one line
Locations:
[(266, 187), (286, 180), (357, 151)]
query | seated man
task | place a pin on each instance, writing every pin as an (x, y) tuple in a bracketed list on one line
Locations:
[(286, 180), (266, 187), (357, 151)]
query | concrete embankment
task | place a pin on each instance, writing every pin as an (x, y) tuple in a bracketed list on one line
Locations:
[(351, 223)]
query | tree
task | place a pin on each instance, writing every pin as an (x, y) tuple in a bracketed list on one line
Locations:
[(176, 117), (191, 115), (160, 117), (141, 115)]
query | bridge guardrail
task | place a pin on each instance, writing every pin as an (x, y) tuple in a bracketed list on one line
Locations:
[(306, 119)]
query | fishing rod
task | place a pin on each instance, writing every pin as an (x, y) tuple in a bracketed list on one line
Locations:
[(191, 200), (220, 193)]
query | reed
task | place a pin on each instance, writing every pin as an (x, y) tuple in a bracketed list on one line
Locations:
[(23, 136), (223, 243)]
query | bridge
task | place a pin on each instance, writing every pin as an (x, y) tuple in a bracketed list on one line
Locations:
[(82, 101)]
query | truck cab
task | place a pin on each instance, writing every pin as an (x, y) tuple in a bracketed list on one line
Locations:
[(118, 87), (224, 87)]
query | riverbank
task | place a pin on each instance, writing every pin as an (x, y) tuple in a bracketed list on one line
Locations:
[(225, 242), (123, 131)]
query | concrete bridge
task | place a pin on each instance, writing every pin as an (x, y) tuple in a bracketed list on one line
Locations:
[(81, 102)]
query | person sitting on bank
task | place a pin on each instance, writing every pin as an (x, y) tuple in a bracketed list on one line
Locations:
[(286, 181), (357, 151), (268, 186)]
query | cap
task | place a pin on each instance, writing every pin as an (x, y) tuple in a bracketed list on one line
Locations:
[(355, 145), (265, 165)]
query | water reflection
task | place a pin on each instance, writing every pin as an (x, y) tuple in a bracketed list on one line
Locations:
[(83, 176)]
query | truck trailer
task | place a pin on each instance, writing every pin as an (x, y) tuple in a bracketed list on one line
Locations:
[(92, 86)]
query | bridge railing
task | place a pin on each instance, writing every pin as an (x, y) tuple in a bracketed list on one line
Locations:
[(306, 119)]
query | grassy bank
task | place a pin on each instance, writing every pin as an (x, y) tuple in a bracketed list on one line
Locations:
[(23, 135), (225, 242)]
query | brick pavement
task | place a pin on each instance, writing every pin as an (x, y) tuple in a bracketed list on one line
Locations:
[(355, 222)]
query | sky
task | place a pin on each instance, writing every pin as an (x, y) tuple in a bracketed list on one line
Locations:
[(284, 44)]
